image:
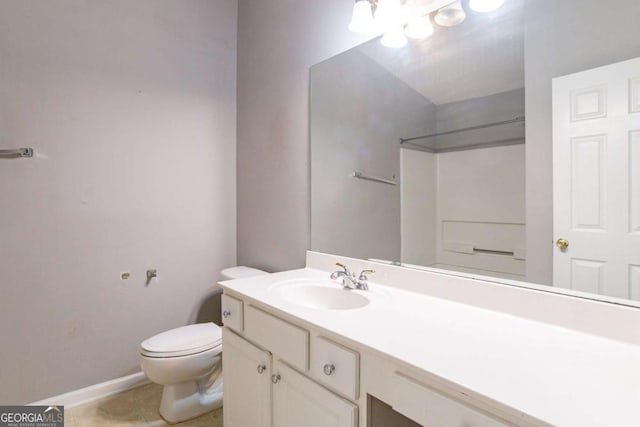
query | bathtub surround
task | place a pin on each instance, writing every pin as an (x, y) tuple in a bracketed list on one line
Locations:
[(435, 189), (130, 107)]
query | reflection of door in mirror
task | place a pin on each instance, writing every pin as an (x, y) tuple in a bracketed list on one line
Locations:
[(596, 156)]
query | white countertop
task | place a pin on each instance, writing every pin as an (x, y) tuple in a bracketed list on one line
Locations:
[(557, 375)]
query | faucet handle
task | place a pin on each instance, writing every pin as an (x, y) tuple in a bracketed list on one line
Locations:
[(344, 267), (363, 274)]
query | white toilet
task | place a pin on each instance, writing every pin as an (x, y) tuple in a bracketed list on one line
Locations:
[(187, 361)]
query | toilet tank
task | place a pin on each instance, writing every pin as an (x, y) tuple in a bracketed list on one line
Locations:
[(209, 310), (240, 272)]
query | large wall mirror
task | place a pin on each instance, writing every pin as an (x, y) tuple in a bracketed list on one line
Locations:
[(506, 147)]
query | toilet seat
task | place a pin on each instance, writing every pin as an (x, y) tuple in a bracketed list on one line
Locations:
[(183, 341)]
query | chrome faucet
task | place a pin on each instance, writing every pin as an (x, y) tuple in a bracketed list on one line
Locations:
[(349, 280), (363, 280)]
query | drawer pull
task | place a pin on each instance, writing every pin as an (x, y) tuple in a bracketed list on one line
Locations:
[(328, 369), (226, 314), (261, 368), (275, 378)]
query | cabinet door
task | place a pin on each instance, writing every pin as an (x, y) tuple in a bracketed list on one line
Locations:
[(247, 383), (298, 401)]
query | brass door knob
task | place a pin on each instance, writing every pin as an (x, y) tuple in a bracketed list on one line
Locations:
[(562, 244)]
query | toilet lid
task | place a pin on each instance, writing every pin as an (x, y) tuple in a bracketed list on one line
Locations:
[(182, 341)]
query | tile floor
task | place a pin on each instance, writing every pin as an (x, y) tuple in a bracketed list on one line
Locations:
[(137, 407)]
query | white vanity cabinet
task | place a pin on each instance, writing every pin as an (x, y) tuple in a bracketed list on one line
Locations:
[(281, 373), (262, 391)]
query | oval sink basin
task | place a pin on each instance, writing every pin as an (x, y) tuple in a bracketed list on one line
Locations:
[(320, 295)]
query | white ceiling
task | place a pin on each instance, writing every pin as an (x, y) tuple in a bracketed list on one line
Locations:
[(482, 56)]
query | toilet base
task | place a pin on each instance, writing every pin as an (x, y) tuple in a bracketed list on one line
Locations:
[(181, 402)]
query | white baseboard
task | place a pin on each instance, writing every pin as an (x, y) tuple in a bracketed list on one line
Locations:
[(96, 391)]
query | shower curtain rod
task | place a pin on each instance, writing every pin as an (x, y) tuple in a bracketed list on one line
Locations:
[(449, 132)]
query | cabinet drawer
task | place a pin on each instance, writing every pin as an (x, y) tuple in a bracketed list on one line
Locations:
[(232, 315), (426, 406), (287, 341), (335, 366)]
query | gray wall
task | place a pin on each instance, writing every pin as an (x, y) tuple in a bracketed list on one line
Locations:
[(130, 107), (563, 37), (359, 111), (278, 40)]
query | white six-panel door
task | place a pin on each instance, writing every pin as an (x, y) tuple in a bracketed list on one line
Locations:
[(596, 166)]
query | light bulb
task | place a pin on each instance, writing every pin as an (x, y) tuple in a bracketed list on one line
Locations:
[(389, 14), (450, 15), (362, 18), (485, 6), (394, 37), (419, 27)]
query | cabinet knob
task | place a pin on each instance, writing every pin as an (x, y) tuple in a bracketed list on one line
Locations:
[(328, 369), (261, 368), (275, 378), (226, 314)]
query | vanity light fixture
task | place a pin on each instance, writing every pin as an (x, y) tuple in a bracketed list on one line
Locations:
[(450, 15), (390, 18), (485, 6), (394, 20)]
